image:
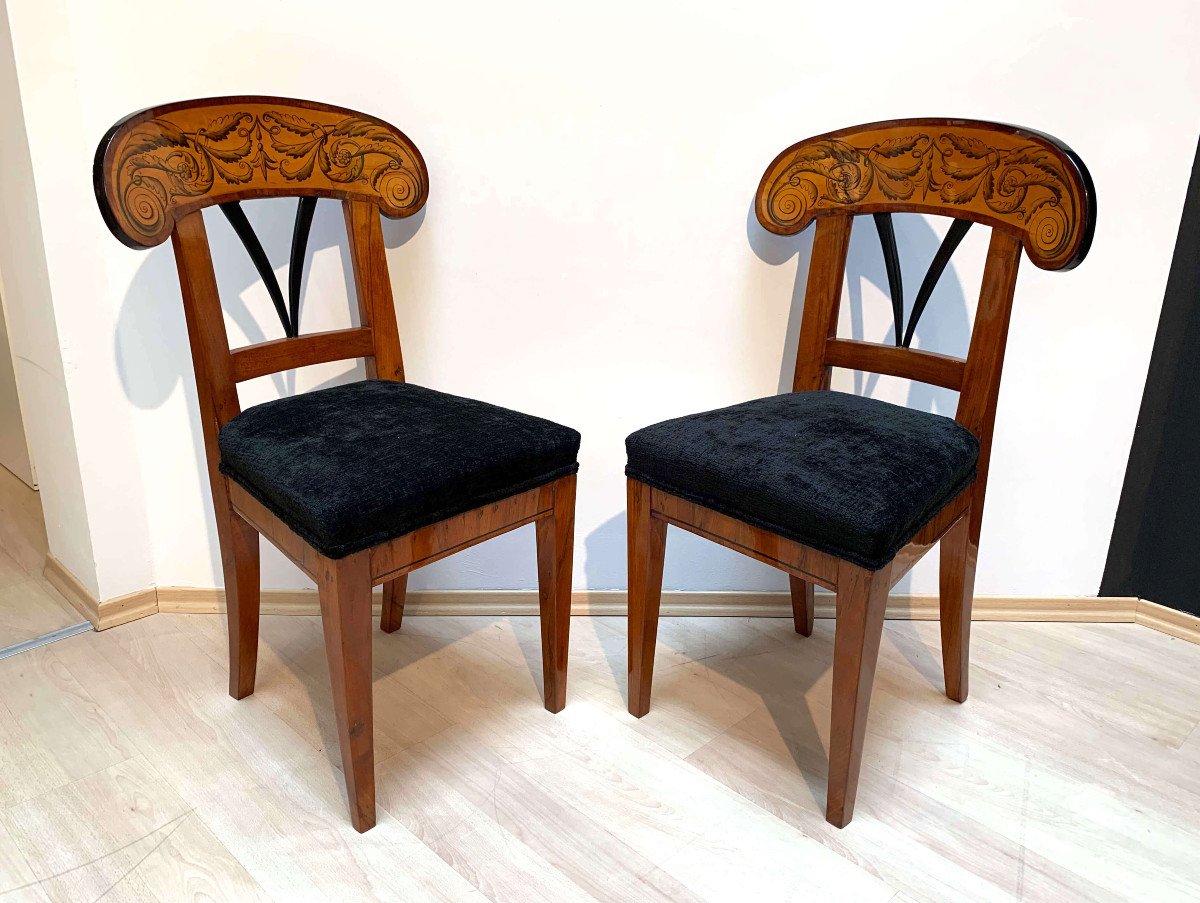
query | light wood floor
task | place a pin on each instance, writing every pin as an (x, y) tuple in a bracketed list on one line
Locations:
[(1072, 773), (29, 606)]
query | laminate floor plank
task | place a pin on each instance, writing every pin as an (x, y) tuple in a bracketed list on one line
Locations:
[(86, 839), (294, 838), (29, 606), (127, 773), (18, 883), (52, 731), (22, 525), (293, 681)]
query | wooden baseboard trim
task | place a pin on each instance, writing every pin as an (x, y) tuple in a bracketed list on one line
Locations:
[(102, 614), (1178, 624), (188, 600), (123, 609), (611, 603)]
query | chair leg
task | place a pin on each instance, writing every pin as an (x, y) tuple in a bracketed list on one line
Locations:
[(393, 604), (861, 601), (647, 549), (239, 561), (958, 555), (344, 587), (555, 549), (802, 605)]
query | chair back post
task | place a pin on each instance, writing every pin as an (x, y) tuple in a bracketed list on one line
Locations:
[(822, 302), (985, 359), (216, 387), (376, 309)]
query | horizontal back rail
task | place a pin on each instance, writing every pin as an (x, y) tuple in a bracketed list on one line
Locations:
[(266, 358), (908, 363)]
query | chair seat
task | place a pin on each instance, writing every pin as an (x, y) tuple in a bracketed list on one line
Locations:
[(851, 476), (352, 466)]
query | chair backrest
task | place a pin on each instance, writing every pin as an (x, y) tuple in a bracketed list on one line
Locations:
[(157, 169), (1032, 190)]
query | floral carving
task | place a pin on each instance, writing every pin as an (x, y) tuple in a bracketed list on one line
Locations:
[(162, 164), (1026, 184)]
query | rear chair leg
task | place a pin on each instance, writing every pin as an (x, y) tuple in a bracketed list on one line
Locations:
[(344, 587), (393, 604), (959, 555), (647, 549), (555, 547), (802, 605), (861, 602), (239, 560)]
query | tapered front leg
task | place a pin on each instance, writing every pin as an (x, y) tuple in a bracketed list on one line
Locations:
[(344, 587), (861, 602), (802, 605), (958, 556), (647, 550), (393, 604), (555, 554), (240, 563)]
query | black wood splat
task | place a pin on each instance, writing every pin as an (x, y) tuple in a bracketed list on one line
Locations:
[(304, 217), (891, 261), (289, 314)]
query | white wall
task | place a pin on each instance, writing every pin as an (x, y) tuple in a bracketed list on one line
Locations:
[(14, 446), (588, 252), (38, 355)]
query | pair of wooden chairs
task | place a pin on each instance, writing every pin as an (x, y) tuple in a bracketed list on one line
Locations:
[(361, 484)]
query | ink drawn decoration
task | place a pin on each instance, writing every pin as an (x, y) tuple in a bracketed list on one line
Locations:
[(162, 163), (1012, 179)]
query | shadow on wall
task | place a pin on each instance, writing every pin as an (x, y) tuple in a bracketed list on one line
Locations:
[(694, 563), (151, 343)]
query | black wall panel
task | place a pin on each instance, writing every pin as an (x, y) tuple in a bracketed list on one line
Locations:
[(1155, 548)]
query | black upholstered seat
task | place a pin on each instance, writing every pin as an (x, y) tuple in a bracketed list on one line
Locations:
[(851, 476), (356, 465)]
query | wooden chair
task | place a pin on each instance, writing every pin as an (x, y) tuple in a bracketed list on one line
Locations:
[(844, 492), (358, 484)]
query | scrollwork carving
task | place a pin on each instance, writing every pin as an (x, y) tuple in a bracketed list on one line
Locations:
[(192, 156), (990, 173)]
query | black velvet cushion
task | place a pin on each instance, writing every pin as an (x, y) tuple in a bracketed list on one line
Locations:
[(353, 466), (851, 476)]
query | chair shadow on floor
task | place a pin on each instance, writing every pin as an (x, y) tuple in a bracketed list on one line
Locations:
[(299, 649), (755, 669)]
